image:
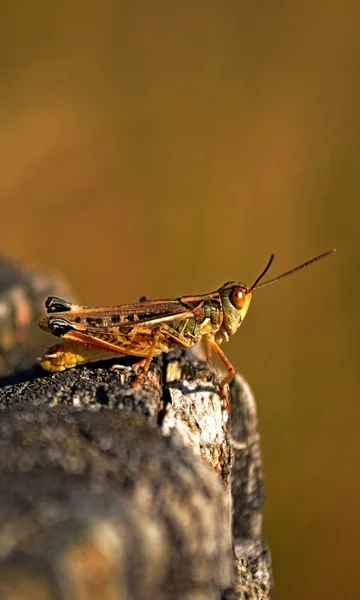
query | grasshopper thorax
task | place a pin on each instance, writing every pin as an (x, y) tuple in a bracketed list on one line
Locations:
[(235, 299)]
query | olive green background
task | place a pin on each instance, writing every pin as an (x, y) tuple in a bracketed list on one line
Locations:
[(163, 148)]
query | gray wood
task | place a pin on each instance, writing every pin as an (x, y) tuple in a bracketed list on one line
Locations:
[(112, 492)]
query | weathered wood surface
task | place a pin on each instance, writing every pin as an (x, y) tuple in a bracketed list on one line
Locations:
[(109, 492)]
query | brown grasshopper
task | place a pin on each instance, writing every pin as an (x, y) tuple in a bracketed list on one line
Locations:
[(150, 327)]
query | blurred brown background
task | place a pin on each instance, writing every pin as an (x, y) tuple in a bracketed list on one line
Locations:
[(164, 148)]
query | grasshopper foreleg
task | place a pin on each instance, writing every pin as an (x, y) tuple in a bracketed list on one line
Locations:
[(224, 359), (208, 350)]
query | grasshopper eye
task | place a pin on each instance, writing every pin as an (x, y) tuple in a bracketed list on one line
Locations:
[(238, 297)]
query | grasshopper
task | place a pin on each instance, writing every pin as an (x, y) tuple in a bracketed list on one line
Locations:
[(150, 327)]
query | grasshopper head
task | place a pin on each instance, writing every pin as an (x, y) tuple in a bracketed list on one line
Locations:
[(235, 298)]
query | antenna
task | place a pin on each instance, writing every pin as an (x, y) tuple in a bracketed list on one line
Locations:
[(264, 272), (305, 264)]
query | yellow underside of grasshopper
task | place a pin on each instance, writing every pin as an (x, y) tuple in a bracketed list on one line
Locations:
[(73, 354)]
